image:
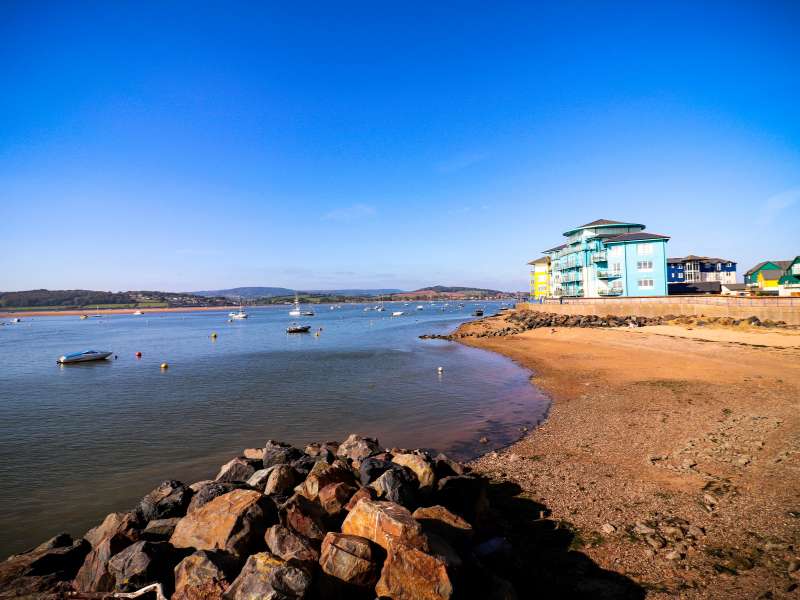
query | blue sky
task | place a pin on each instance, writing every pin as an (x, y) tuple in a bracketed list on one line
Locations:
[(202, 145)]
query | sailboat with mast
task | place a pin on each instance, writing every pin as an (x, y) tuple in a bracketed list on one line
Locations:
[(240, 315), (297, 311)]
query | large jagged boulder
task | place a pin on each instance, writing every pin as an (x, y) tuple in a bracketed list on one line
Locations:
[(290, 546), (323, 474), (234, 522), (267, 577), (204, 575), (143, 563), (304, 516), (281, 480), (398, 485), (159, 530), (169, 499), (206, 491), (384, 523), (357, 448), (94, 575), (238, 469), (128, 524), (278, 453), (411, 574), (364, 493), (349, 558), (334, 497), (420, 466), (371, 468), (440, 521), (46, 568)]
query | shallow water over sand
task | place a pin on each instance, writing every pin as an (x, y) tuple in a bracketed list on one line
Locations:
[(80, 441)]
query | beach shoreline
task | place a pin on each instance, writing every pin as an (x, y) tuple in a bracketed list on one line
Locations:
[(663, 431), (113, 311)]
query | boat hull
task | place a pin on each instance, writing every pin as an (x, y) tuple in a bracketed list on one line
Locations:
[(69, 360)]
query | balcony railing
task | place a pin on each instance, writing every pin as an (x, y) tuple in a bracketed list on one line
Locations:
[(610, 292), (606, 274), (600, 256)]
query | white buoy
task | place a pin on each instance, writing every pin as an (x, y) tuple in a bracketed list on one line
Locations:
[(440, 370)]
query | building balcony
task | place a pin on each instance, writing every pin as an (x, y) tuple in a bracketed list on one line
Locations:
[(610, 292), (600, 257), (606, 274)]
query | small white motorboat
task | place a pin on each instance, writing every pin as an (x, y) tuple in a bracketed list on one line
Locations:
[(16, 320), (238, 315), (420, 307), (138, 313), (398, 313), (85, 356)]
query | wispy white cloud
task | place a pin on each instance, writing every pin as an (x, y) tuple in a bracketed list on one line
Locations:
[(347, 214), (776, 204)]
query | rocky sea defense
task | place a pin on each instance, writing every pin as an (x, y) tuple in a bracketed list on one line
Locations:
[(332, 521), (522, 321)]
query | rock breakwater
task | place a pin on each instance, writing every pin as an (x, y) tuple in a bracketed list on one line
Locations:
[(339, 521), (521, 321)]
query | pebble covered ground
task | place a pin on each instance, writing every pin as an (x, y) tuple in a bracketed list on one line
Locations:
[(673, 462)]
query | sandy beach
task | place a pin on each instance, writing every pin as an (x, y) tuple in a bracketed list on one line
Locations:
[(671, 456)]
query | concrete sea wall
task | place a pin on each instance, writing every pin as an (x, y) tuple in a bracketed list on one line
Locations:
[(775, 309)]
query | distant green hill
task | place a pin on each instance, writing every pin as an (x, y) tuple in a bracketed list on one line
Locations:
[(441, 289), (247, 292)]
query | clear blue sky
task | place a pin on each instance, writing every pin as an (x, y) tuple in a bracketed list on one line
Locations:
[(202, 145)]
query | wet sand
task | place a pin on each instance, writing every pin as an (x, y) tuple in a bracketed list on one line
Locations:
[(672, 453)]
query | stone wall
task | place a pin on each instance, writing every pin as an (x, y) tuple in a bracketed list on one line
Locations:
[(774, 309)]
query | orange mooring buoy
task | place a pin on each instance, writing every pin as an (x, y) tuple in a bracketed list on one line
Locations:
[(138, 355)]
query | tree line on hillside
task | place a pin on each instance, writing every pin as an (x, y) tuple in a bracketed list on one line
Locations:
[(63, 298)]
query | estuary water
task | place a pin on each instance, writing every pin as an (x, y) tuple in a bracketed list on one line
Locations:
[(80, 441)]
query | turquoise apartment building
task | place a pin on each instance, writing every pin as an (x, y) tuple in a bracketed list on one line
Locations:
[(609, 258)]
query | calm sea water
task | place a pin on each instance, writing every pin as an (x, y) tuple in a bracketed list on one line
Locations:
[(80, 441)]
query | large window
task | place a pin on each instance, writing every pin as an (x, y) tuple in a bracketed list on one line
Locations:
[(542, 288), (646, 283), (645, 265), (616, 268), (644, 249)]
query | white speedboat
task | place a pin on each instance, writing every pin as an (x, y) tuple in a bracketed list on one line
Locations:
[(420, 307), (297, 312), (398, 313), (138, 313), (238, 315), (85, 356)]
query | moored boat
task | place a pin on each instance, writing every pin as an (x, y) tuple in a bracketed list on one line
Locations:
[(85, 356), (398, 313), (295, 328)]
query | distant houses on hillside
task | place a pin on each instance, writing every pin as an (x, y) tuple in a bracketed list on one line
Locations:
[(606, 258)]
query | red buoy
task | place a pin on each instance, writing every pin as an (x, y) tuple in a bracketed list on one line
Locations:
[(138, 355)]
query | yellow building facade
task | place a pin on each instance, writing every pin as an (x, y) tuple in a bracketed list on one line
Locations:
[(540, 278)]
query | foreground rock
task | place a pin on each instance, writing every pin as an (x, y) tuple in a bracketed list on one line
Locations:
[(411, 574), (204, 575), (234, 522), (46, 568), (384, 523), (267, 577), (349, 558), (330, 523)]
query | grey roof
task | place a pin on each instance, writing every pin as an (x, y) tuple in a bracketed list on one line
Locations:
[(783, 264), (772, 273), (555, 249), (603, 222), (636, 237), (735, 286), (708, 259), (538, 261)]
